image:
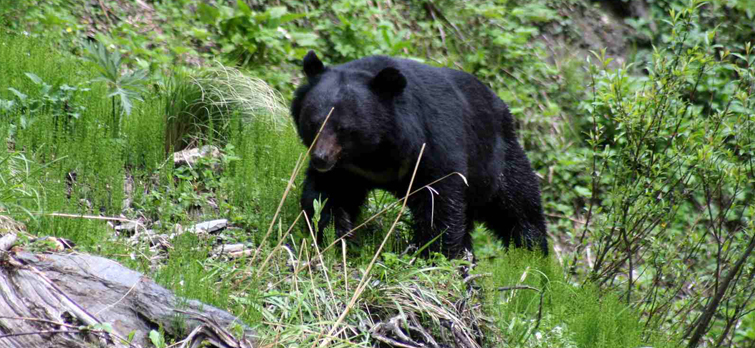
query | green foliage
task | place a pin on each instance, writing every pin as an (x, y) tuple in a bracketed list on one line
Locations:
[(157, 339), (672, 180), (571, 316), (17, 193), (255, 38), (58, 101), (123, 87)]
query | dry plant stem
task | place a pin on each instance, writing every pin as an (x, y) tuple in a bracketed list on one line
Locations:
[(525, 287), (90, 217), (319, 255), (295, 279), (389, 207), (210, 333), (314, 286), (473, 277), (277, 247), (290, 184), (395, 326), (366, 276), (345, 269)]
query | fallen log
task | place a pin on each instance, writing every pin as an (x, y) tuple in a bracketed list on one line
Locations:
[(78, 300)]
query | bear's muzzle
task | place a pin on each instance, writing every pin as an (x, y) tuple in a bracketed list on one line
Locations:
[(326, 152)]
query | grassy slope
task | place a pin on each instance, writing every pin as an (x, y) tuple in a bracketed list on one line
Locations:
[(572, 316)]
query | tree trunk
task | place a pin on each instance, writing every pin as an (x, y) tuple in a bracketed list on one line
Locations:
[(67, 300)]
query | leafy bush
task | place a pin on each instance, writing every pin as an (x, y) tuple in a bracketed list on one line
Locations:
[(672, 184)]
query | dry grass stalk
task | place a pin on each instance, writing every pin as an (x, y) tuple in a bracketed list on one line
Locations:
[(290, 184), (365, 277)]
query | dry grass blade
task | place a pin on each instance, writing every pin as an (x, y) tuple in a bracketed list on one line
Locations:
[(277, 247), (391, 206), (252, 97), (206, 101), (386, 209), (363, 283), (319, 255), (290, 184)]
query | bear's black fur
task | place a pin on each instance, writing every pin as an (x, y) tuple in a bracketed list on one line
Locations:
[(384, 110)]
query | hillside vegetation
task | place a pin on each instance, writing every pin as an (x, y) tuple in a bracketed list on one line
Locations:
[(637, 115)]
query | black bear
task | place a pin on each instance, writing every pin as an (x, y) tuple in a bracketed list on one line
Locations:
[(384, 109)]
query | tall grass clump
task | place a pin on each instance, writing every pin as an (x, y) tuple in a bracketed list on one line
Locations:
[(669, 219), (202, 104), (300, 294), (534, 305), (17, 190)]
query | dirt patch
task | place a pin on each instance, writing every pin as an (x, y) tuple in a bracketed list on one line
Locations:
[(590, 28)]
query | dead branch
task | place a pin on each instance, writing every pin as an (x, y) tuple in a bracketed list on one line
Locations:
[(66, 300)]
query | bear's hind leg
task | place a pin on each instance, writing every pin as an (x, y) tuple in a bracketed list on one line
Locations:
[(520, 220)]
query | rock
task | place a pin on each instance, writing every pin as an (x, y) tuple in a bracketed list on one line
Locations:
[(228, 248), (208, 226), (190, 156), (129, 227)]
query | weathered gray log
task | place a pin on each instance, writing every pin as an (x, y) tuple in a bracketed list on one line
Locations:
[(45, 299)]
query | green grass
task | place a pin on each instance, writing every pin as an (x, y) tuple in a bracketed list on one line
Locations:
[(572, 315)]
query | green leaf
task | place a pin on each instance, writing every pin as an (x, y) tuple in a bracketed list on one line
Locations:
[(157, 339), (131, 336), (291, 17), (304, 39), (6, 105), (207, 14), (34, 78), (277, 12), (582, 191), (18, 94), (104, 327), (244, 8)]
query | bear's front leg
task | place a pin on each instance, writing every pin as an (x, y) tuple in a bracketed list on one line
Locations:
[(343, 197), (441, 211)]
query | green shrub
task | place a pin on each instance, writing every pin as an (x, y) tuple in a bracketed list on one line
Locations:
[(672, 184)]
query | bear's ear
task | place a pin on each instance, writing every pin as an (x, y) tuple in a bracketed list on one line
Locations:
[(389, 81), (312, 65)]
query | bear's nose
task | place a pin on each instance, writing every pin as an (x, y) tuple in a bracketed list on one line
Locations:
[(321, 163)]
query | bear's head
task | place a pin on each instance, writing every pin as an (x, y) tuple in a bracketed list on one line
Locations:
[(361, 95)]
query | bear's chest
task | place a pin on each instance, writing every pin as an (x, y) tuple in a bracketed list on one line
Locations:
[(383, 175)]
